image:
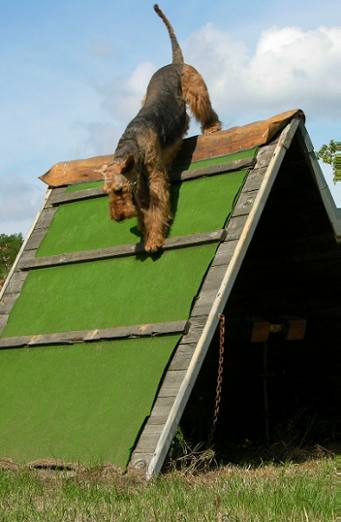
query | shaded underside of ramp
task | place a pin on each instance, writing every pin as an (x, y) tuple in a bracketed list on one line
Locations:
[(90, 323)]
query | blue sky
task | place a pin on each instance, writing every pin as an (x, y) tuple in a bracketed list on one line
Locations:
[(73, 73)]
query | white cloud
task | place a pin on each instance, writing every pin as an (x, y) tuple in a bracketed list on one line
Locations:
[(289, 67)]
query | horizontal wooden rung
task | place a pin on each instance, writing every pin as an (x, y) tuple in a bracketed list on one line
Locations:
[(121, 332), (120, 251)]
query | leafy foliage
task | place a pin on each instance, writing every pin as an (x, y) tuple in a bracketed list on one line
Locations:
[(327, 152), (9, 247)]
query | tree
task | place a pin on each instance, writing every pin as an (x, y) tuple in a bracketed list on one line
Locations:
[(327, 152), (9, 248)]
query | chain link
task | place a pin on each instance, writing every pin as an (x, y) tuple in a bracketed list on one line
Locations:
[(219, 377)]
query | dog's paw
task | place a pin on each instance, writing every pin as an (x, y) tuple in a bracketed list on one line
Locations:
[(153, 245)]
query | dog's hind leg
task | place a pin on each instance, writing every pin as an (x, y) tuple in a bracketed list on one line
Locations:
[(195, 92)]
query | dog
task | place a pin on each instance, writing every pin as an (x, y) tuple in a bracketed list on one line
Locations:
[(136, 181)]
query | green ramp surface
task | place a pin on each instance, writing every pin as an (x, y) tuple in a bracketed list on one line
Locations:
[(199, 205), (115, 292), (80, 403), (88, 402)]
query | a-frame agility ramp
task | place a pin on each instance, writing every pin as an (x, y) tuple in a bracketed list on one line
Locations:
[(100, 344)]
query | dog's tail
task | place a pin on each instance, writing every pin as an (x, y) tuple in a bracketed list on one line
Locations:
[(176, 50)]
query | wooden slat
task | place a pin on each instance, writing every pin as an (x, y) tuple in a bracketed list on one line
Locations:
[(45, 218), (140, 460), (70, 197), (171, 383), (254, 179), (264, 156), (175, 177), (195, 330), (148, 440), (224, 253), (3, 320), (7, 303), (235, 227), (119, 251), (213, 278), (204, 302), (16, 282), (244, 203), (35, 239), (182, 357), (222, 168), (140, 330)]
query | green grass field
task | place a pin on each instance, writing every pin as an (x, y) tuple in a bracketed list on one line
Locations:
[(276, 493)]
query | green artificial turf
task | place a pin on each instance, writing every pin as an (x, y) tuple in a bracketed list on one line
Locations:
[(199, 205), (115, 292), (81, 403)]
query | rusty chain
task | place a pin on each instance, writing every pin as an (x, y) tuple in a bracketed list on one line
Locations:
[(219, 377)]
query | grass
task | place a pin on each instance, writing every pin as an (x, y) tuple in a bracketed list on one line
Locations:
[(287, 492)]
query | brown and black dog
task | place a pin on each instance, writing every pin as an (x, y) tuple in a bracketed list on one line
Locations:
[(136, 180)]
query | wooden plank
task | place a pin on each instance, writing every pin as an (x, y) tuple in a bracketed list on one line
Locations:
[(211, 321), (7, 303), (195, 329), (254, 179), (70, 197), (171, 383), (174, 176), (224, 253), (3, 320), (204, 303), (139, 330), (16, 282), (213, 278), (149, 438), (244, 203), (140, 461), (45, 218), (234, 227), (35, 239), (119, 251), (264, 156), (161, 410), (222, 168), (182, 357)]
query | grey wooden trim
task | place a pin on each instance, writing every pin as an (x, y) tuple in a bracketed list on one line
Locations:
[(195, 329), (214, 169), (244, 203), (216, 300), (224, 253), (119, 251), (234, 227), (16, 282), (68, 197), (139, 330), (3, 320)]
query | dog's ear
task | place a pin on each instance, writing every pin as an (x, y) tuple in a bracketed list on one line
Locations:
[(128, 163)]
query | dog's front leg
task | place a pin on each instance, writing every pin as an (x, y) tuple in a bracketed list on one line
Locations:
[(157, 215)]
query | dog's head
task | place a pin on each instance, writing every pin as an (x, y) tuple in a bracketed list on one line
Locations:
[(119, 180)]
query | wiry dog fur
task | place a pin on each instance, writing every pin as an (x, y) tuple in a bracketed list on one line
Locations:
[(136, 180)]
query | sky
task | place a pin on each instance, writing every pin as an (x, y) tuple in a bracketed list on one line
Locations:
[(73, 73)]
